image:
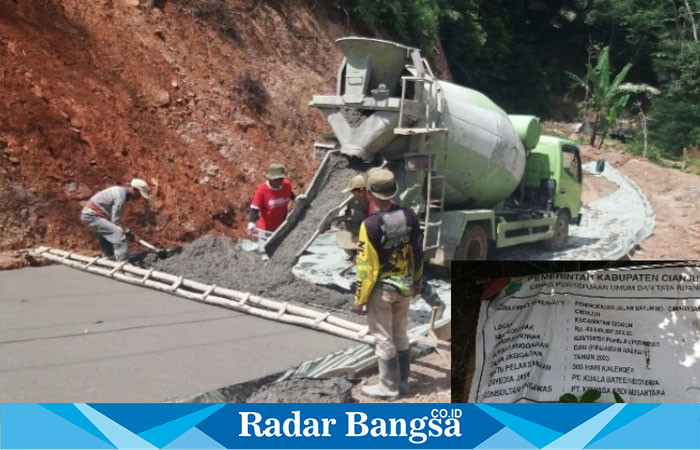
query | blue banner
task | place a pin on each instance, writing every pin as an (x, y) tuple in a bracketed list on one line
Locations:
[(344, 426)]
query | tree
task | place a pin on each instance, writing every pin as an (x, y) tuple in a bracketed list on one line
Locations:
[(676, 113), (661, 39), (604, 97), (644, 95), (514, 51), (414, 22)]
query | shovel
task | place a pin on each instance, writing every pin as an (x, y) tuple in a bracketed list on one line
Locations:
[(161, 252), (323, 225), (340, 280), (149, 246)]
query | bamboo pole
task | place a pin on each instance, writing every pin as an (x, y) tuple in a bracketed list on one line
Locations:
[(232, 299), (219, 296)]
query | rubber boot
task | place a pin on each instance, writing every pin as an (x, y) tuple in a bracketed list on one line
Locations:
[(388, 385), (404, 370), (121, 251), (107, 249)]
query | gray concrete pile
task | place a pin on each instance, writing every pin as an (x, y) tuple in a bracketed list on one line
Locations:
[(220, 261)]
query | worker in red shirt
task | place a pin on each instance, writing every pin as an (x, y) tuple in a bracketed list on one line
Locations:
[(270, 204)]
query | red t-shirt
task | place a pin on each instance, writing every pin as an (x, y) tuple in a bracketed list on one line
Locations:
[(272, 204), (371, 209)]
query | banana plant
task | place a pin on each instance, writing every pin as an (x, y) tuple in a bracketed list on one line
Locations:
[(603, 95)]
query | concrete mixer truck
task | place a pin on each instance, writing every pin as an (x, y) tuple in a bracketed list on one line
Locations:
[(478, 177)]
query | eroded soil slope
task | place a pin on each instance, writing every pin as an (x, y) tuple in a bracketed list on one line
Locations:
[(197, 98)]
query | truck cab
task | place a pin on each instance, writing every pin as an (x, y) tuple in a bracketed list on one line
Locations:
[(553, 174), (540, 210), (552, 182)]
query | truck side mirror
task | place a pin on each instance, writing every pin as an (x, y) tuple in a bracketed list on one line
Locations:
[(600, 165), (550, 187)]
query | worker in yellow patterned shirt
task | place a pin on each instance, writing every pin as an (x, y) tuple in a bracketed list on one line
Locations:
[(389, 272)]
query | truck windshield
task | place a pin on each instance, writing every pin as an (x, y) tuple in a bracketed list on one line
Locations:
[(571, 162)]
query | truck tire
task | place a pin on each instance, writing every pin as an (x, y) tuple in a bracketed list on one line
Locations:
[(561, 232), (474, 244)]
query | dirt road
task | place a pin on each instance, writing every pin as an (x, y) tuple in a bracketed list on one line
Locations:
[(673, 194)]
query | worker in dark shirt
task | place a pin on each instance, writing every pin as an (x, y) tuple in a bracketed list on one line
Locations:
[(389, 272)]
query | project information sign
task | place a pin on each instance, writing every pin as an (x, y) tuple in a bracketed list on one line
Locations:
[(634, 331)]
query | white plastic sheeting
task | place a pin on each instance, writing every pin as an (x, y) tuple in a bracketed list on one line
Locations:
[(323, 259), (635, 331), (351, 360)]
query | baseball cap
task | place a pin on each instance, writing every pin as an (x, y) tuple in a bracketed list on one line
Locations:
[(141, 186)]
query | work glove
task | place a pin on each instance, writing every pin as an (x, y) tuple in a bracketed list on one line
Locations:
[(250, 229)]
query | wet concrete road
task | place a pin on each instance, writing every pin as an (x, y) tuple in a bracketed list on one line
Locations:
[(70, 336)]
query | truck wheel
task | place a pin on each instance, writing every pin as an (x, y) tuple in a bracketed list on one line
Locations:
[(561, 232), (474, 244)]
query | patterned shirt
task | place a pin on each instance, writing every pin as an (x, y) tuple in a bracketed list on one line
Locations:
[(391, 252)]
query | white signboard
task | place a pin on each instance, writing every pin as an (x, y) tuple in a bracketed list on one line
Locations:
[(634, 331)]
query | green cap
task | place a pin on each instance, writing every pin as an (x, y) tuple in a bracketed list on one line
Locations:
[(276, 171), (357, 182), (382, 184)]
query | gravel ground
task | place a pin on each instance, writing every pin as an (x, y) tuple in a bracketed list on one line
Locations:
[(430, 381), (220, 261)]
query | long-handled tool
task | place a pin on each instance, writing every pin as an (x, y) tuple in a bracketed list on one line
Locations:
[(323, 225), (161, 252), (340, 280), (147, 244)]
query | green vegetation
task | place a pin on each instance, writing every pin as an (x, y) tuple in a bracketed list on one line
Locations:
[(603, 96), (590, 396), (518, 52), (414, 21)]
